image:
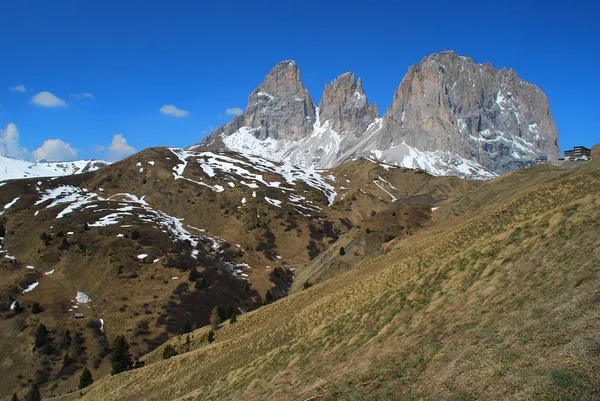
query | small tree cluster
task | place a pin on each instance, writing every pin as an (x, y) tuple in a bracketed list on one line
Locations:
[(168, 352), (342, 251), (45, 238)]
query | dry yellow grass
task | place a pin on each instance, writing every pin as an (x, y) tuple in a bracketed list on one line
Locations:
[(501, 302)]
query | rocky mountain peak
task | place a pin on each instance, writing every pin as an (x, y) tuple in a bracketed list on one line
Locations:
[(472, 110), (449, 115), (283, 78), (345, 105), (279, 108)]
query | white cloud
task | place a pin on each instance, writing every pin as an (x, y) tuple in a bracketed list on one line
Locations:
[(47, 99), (9, 142), (117, 150), (234, 111), (18, 88), (54, 150), (173, 111), (83, 95)]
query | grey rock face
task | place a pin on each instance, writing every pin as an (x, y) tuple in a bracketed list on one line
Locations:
[(345, 105), (448, 116), (279, 108), (449, 102)]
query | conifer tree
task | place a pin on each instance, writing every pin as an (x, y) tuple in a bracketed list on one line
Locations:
[(34, 393), (41, 336), (14, 397), (120, 356), (269, 297), (36, 308), (85, 379), (233, 319)]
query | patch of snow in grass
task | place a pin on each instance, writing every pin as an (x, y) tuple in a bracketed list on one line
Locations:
[(30, 267), (82, 298), (142, 256), (273, 202), (31, 287), (49, 272)]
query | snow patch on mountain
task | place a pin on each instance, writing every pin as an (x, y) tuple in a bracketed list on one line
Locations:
[(15, 168)]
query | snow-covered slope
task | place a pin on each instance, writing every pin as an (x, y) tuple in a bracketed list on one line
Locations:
[(326, 148), (15, 168)]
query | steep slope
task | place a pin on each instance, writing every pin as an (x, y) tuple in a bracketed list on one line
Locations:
[(11, 168), (449, 116), (499, 303), (158, 240)]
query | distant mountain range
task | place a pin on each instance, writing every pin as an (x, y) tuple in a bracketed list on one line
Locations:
[(449, 116), (11, 168)]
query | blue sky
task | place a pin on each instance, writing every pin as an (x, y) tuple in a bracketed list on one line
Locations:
[(112, 65)]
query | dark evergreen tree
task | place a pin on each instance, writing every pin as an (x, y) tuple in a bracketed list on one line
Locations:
[(222, 313), (233, 319), (342, 251), (211, 336), (269, 297), (120, 357), (194, 275), (34, 393), (14, 397), (67, 360), (135, 234), (36, 308), (199, 283), (187, 327), (85, 379), (41, 336), (229, 312)]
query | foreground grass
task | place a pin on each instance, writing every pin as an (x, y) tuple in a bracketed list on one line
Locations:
[(500, 303)]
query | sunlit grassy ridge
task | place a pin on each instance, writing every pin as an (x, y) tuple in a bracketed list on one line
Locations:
[(502, 302)]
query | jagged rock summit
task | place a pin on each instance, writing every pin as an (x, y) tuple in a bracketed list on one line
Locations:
[(449, 116)]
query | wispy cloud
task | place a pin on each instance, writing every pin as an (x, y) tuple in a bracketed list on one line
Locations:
[(9, 143), (117, 150), (18, 88), (83, 95), (171, 110), (234, 111), (48, 99), (54, 150)]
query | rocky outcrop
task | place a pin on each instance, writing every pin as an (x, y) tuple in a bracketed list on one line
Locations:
[(345, 105), (279, 108), (448, 102), (448, 116)]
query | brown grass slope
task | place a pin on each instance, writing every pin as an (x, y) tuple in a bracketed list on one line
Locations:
[(140, 298), (499, 304)]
